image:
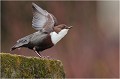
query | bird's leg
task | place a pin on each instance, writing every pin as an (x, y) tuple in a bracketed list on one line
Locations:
[(37, 52), (40, 54)]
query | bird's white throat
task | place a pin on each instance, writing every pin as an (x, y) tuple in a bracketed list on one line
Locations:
[(57, 37)]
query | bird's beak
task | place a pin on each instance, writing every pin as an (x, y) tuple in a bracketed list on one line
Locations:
[(70, 27)]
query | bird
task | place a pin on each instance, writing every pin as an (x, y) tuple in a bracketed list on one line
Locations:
[(48, 34)]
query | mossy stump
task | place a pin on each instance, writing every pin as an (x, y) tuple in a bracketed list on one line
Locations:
[(16, 66)]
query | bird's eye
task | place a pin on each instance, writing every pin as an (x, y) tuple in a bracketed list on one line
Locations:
[(46, 32), (64, 27)]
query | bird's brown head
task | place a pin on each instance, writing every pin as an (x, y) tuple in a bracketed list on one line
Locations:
[(60, 27)]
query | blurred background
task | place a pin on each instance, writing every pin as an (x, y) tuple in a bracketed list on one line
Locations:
[(89, 50)]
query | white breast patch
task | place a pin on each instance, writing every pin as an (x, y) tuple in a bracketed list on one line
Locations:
[(57, 37)]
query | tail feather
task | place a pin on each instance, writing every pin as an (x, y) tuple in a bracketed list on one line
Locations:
[(21, 42), (13, 48), (17, 45)]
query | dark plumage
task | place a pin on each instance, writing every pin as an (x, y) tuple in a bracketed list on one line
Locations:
[(48, 34)]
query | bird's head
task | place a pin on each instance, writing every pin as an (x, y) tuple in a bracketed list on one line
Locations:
[(61, 27), (59, 32)]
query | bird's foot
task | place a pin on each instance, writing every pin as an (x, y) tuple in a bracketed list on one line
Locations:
[(40, 56), (46, 57)]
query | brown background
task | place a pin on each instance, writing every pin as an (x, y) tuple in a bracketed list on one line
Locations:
[(90, 49)]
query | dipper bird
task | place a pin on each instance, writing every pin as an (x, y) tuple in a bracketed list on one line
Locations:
[(48, 34)]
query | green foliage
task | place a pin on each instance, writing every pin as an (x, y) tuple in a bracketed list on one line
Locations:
[(16, 66)]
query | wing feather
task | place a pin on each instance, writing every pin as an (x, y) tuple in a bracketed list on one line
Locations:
[(42, 19)]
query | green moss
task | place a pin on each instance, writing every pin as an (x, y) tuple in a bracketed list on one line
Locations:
[(16, 66)]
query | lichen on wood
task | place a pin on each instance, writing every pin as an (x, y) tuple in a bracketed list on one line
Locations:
[(16, 66)]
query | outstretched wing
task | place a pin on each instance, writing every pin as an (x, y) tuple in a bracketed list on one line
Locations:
[(42, 19)]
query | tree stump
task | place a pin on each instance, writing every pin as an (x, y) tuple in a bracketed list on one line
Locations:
[(16, 66)]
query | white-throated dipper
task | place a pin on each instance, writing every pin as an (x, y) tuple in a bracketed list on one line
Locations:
[(48, 34)]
